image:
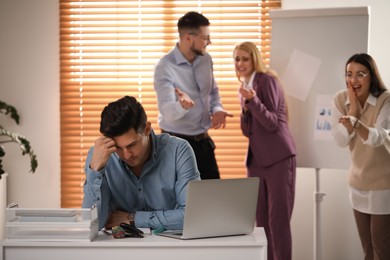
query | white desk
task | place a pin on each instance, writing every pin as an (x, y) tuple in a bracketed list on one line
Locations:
[(253, 246)]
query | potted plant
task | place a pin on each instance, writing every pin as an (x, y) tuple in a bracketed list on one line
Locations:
[(9, 136)]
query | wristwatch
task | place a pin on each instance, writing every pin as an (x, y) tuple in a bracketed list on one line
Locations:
[(131, 218)]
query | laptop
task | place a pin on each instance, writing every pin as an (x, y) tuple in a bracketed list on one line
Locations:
[(218, 207)]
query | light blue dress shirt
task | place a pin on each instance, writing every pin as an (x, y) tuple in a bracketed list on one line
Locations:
[(197, 81), (158, 197)]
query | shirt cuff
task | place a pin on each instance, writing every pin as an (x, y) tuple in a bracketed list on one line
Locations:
[(141, 219), (216, 109)]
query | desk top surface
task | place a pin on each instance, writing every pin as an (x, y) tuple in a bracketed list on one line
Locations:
[(254, 239)]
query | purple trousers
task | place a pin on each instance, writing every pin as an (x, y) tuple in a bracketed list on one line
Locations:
[(275, 205)]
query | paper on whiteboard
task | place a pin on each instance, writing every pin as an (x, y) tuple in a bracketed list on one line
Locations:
[(300, 73), (322, 128)]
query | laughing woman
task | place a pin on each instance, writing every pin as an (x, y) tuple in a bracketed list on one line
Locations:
[(361, 120), (271, 150)]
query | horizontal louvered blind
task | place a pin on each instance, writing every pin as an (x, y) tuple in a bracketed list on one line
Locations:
[(109, 49)]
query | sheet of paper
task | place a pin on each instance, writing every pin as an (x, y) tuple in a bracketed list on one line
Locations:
[(300, 73), (322, 128)]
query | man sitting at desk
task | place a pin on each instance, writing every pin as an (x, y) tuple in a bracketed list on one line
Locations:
[(134, 175)]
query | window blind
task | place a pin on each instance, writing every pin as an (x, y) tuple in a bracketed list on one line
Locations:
[(108, 49)]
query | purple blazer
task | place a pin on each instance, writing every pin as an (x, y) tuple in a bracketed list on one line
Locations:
[(266, 124)]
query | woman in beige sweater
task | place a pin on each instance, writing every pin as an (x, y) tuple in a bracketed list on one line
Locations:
[(361, 120)]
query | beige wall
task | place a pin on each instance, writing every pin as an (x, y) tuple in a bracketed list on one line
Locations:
[(29, 80)]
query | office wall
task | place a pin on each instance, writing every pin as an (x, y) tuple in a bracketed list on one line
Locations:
[(29, 79)]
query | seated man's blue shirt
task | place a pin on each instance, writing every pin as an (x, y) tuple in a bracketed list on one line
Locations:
[(158, 196)]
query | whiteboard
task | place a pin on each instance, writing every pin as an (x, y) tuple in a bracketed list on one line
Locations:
[(331, 36)]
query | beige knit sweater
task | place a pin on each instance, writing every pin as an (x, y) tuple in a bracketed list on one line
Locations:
[(370, 169)]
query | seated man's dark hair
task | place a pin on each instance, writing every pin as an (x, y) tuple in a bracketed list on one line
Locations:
[(120, 116)]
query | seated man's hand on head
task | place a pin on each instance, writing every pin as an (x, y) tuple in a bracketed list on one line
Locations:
[(103, 148)]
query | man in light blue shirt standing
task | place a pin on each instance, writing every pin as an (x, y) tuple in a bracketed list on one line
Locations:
[(188, 97), (134, 175)]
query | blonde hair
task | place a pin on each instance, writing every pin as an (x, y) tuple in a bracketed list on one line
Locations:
[(255, 55)]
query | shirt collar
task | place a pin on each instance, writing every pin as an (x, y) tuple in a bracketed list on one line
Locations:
[(250, 83)]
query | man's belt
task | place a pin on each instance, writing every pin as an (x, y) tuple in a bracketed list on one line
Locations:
[(196, 138)]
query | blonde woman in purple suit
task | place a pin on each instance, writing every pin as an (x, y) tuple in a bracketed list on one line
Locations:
[(271, 150)]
